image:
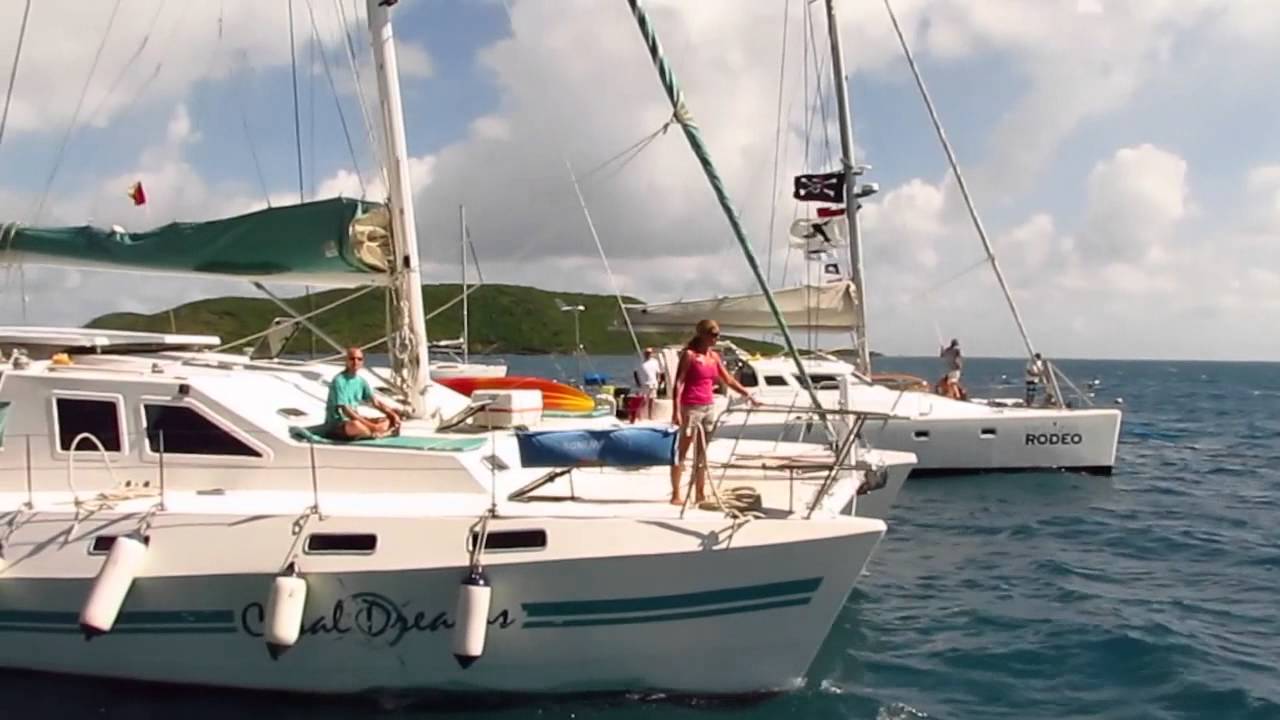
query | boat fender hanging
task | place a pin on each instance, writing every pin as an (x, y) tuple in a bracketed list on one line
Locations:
[(285, 605), (474, 598), (106, 597)]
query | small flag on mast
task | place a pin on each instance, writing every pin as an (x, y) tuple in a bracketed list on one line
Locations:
[(829, 212), (137, 194)]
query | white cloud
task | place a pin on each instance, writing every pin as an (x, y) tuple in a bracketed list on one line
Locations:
[(1135, 201)]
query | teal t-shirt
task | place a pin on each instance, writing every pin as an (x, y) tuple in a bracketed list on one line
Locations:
[(345, 389)]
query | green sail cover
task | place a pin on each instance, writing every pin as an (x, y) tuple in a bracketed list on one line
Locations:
[(337, 241)]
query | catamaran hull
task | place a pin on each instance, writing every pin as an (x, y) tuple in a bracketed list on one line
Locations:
[(1039, 439), (730, 620)]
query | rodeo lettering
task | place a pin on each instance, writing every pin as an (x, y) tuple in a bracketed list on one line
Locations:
[(1054, 439)]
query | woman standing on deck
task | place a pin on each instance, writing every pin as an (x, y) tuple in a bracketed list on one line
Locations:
[(692, 399)]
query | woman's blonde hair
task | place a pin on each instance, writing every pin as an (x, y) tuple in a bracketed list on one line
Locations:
[(704, 328)]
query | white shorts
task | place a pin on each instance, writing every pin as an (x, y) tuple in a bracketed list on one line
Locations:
[(695, 415)]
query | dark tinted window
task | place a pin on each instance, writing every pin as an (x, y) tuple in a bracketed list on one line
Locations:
[(747, 376), (340, 543), (96, 417), (827, 380), (183, 431), (775, 380), (511, 540)]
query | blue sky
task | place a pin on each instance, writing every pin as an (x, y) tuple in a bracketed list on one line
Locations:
[(1123, 154)]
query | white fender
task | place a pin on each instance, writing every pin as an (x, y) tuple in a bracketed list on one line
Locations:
[(472, 618), (285, 604), (122, 565)]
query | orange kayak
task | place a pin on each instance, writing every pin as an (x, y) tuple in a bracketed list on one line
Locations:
[(555, 395)]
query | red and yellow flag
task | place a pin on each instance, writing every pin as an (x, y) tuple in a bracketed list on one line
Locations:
[(137, 194)]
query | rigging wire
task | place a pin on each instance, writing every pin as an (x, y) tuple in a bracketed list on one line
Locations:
[(374, 146), (613, 281), (777, 139), (297, 124), (955, 169), (632, 151), (820, 66), (248, 134), (342, 117), (75, 116), (128, 64), (13, 72), (4, 119)]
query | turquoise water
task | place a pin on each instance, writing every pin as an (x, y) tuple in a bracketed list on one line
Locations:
[(1154, 593)]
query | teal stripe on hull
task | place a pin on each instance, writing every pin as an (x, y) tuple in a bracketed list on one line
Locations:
[(125, 630), (136, 617), (667, 617), (671, 602)]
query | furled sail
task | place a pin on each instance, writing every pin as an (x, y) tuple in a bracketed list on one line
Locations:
[(822, 307), (337, 242)]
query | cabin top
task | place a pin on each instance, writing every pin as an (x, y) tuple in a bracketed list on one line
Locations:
[(40, 342)]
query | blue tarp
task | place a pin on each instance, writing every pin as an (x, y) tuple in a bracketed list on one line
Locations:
[(619, 447)]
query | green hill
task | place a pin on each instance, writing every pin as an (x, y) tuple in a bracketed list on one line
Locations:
[(503, 319)]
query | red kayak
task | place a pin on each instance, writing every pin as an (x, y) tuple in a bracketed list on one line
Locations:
[(555, 395)]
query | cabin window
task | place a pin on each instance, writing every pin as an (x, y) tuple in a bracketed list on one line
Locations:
[(775, 381), (99, 418), (511, 540), (820, 381), (178, 430), (747, 376), (341, 544), (987, 433), (920, 434)]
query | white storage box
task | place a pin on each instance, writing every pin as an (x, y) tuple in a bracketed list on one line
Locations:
[(509, 408)]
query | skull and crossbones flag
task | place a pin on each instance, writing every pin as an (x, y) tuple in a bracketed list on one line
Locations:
[(824, 187)]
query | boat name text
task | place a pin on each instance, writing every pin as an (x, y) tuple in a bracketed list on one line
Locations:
[(370, 615), (1054, 439)]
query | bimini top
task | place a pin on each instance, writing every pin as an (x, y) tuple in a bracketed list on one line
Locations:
[(44, 341)]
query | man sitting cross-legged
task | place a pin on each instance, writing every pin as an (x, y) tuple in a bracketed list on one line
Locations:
[(347, 392)]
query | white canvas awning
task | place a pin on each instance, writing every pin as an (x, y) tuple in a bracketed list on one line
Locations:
[(822, 307)]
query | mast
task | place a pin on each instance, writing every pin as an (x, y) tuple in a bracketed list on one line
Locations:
[(408, 343), (462, 240), (851, 173)]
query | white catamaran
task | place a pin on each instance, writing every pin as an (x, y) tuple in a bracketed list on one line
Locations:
[(948, 436), (173, 503)]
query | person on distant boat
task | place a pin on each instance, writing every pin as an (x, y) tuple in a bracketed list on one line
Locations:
[(646, 376), (1034, 376), (347, 393), (692, 397), (953, 362)]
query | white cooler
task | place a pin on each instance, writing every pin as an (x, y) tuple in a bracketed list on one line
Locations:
[(509, 408)]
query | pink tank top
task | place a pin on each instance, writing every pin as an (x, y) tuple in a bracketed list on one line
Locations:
[(700, 378)]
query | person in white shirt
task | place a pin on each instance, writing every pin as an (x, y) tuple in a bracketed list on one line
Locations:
[(646, 375), (1035, 376)]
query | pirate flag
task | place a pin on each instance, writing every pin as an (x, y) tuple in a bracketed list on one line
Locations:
[(825, 187)]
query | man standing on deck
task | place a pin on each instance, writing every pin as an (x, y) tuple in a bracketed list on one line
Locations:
[(1035, 376), (954, 363), (347, 392), (647, 382)]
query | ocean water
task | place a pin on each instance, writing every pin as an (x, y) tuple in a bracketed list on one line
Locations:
[(1154, 593)]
